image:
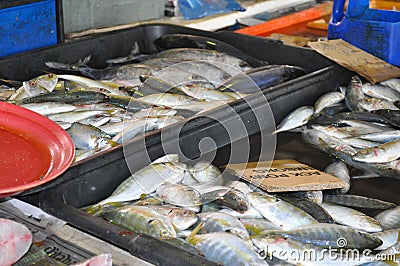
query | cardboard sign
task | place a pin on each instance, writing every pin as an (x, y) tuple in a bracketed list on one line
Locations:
[(370, 67), (285, 175)]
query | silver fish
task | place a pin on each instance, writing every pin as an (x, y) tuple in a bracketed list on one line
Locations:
[(132, 130), (373, 104), (355, 201), (354, 94), (167, 99), (329, 235), (388, 237), (234, 249), (222, 222), (350, 217), (339, 169), (382, 137), (88, 137), (326, 100), (390, 219), (49, 108), (296, 118), (383, 153), (392, 83), (180, 195), (380, 92), (181, 219), (74, 116), (146, 181), (279, 212)]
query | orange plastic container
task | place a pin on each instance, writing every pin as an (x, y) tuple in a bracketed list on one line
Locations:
[(293, 24)]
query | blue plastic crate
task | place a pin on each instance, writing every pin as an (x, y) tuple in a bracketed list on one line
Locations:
[(374, 31), (27, 27)]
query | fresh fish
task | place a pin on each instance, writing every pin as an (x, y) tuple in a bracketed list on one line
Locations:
[(206, 173), (227, 197), (255, 226), (48, 108), (296, 118), (327, 100), (327, 143), (310, 207), (95, 121), (388, 237), (180, 195), (374, 104), (128, 103), (339, 169), (390, 219), (200, 93), (313, 195), (383, 153), (166, 120), (347, 216), (170, 41), (360, 143), (181, 219), (364, 116), (295, 252), (279, 212), (380, 92), (15, 240), (226, 249), (354, 94), (69, 97), (167, 99), (74, 116), (154, 111), (41, 84), (329, 235), (87, 137), (390, 116), (392, 83), (334, 109), (132, 130), (146, 181), (355, 201), (337, 132), (250, 213), (222, 222), (141, 220), (212, 71), (193, 54), (363, 124), (261, 78), (201, 106), (64, 125), (340, 153), (382, 137)]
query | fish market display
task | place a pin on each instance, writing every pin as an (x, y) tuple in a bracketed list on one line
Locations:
[(139, 93), (234, 223)]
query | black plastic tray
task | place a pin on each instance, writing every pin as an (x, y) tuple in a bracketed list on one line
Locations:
[(323, 75), (64, 200)]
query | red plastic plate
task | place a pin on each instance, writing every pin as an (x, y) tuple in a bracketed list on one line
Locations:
[(33, 149)]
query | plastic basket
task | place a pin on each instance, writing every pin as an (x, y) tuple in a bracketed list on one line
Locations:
[(372, 30)]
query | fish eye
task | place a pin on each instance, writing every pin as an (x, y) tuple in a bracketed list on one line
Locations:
[(363, 152), (163, 232)]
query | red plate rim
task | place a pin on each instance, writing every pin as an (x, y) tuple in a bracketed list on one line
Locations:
[(66, 148)]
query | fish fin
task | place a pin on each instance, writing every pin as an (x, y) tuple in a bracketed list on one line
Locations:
[(72, 67), (195, 231)]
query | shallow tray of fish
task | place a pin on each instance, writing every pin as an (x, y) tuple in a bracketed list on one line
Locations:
[(29, 66)]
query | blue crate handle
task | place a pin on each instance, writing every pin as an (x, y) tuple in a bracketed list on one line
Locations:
[(355, 8)]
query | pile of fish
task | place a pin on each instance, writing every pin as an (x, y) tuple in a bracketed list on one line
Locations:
[(102, 108), (231, 222), (360, 126)]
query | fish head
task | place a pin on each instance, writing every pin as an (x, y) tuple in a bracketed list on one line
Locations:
[(236, 200), (161, 229), (367, 154)]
